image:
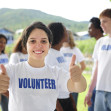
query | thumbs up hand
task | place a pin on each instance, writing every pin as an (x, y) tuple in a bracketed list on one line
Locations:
[(75, 71), (4, 79)]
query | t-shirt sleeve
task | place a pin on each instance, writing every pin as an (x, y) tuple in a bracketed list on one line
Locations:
[(63, 77), (10, 73), (13, 58), (79, 55)]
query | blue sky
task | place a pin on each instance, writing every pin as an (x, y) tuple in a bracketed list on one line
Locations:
[(78, 10)]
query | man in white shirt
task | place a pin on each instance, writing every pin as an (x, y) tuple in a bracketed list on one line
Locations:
[(95, 31)]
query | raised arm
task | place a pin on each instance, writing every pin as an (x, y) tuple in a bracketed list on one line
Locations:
[(76, 83), (88, 96)]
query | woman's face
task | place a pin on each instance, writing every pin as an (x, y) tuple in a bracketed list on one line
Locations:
[(2, 44), (37, 45)]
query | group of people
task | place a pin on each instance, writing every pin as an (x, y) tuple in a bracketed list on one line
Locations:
[(43, 71), (40, 83), (101, 76)]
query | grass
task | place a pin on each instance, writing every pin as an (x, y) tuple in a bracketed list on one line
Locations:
[(80, 105)]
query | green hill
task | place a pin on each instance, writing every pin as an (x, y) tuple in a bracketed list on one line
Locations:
[(14, 19)]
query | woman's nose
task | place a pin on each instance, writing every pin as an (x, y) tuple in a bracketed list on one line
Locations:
[(39, 45)]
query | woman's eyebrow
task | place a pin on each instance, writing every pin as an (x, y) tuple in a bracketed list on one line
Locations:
[(37, 38)]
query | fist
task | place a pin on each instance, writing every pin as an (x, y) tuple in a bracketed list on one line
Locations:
[(87, 99)]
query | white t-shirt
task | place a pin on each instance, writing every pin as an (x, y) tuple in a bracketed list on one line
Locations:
[(3, 58), (55, 58), (35, 89), (18, 57), (68, 53), (102, 53)]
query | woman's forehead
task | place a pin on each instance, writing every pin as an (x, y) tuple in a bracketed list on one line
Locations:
[(38, 33)]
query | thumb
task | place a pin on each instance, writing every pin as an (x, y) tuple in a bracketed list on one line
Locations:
[(73, 60), (3, 69)]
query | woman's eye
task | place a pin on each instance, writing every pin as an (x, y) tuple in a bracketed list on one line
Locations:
[(32, 41), (44, 41)]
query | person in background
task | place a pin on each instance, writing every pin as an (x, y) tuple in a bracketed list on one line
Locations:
[(19, 53), (34, 85), (55, 58), (95, 31), (3, 60), (102, 72), (94, 28), (69, 49)]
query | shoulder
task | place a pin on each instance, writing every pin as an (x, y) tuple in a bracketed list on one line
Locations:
[(54, 53), (53, 50), (62, 48), (76, 49), (17, 65), (102, 39), (4, 55), (65, 48), (15, 54), (14, 69)]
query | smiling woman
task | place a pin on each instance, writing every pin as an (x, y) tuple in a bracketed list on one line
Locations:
[(37, 46)]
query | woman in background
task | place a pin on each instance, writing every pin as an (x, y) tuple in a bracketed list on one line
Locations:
[(55, 58), (69, 49), (3, 60), (19, 53)]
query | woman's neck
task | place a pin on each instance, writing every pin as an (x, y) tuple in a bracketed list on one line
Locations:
[(36, 64), (24, 51)]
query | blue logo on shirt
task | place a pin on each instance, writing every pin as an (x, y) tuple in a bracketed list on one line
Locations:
[(37, 83), (106, 47), (21, 60), (68, 54), (60, 59), (2, 61)]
